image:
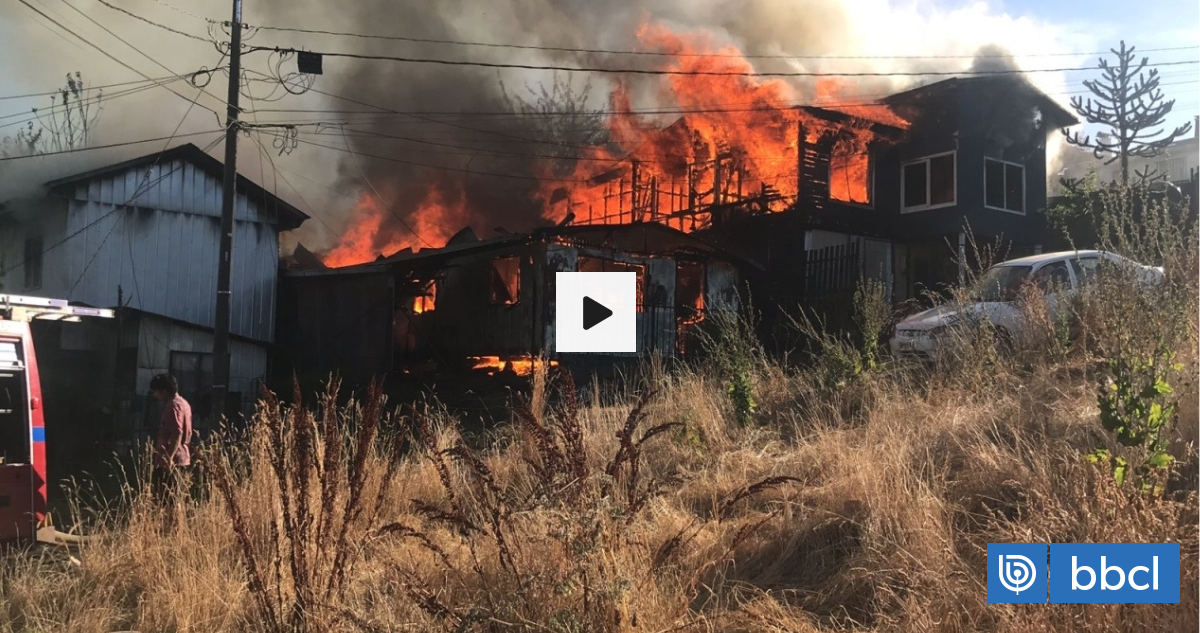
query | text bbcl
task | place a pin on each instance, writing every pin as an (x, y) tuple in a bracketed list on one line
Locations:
[(1114, 572)]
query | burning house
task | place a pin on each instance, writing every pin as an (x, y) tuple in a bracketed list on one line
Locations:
[(489, 303)]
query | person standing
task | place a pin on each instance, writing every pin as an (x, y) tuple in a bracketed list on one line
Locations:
[(172, 445)]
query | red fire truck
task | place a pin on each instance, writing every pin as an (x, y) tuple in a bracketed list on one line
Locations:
[(23, 490)]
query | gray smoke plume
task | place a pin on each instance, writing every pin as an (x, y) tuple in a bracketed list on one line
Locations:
[(329, 181)]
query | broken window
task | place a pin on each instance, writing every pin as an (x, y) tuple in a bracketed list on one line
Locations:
[(689, 292), (33, 263), (588, 264), (427, 300), (928, 182), (850, 177), (1004, 185), (505, 281)]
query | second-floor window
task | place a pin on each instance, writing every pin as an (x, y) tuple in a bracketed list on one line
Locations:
[(928, 183), (850, 176), (1004, 185)]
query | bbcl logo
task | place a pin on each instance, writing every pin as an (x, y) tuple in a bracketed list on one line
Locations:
[(1083, 573), (1016, 573)]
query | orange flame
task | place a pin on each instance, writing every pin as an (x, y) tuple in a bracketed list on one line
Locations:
[(520, 365), (437, 217)]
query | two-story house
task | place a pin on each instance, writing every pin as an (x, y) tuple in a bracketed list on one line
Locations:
[(971, 162), (142, 236)]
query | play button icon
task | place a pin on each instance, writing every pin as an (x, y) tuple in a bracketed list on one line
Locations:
[(593, 313)]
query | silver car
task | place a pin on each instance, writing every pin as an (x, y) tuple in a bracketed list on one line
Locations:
[(994, 295)]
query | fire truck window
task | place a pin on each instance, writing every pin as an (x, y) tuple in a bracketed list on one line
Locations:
[(505, 281), (14, 422)]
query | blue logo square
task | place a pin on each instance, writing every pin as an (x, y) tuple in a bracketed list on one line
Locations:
[(1016, 573), (1114, 573)]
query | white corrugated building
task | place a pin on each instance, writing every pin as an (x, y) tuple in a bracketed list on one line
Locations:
[(143, 235)]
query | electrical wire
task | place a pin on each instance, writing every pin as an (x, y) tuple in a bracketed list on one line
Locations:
[(153, 23), (88, 88), (604, 51), (106, 53), (147, 56), (706, 73), (108, 146)]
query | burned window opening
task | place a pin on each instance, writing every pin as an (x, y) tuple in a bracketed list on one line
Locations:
[(689, 292), (851, 176), (588, 264), (426, 301), (504, 280)]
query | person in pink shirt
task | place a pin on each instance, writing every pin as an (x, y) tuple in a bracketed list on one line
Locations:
[(172, 445)]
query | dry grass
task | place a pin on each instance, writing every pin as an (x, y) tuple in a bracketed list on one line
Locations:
[(653, 509)]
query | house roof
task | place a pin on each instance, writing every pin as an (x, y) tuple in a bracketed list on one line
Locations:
[(1060, 115), (593, 235), (290, 216)]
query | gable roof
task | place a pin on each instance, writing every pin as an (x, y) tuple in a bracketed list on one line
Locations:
[(289, 216), (1060, 116)]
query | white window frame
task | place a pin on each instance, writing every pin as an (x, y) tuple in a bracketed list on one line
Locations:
[(1024, 191), (928, 181), (870, 184)]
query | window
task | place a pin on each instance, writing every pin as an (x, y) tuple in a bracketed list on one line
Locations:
[(851, 177), (689, 291), (33, 263), (194, 373), (505, 281), (1004, 185), (928, 183), (427, 300), (1052, 276), (1086, 269), (599, 265)]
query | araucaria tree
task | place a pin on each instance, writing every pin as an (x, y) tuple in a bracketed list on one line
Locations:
[(1128, 101)]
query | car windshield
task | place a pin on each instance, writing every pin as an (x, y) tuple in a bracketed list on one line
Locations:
[(1000, 283)]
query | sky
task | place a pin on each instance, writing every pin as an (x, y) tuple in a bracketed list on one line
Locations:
[(1153, 24)]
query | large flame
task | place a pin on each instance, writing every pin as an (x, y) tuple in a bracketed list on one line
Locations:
[(374, 231), (733, 144)]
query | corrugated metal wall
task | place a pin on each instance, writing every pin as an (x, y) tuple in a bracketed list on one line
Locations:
[(162, 249)]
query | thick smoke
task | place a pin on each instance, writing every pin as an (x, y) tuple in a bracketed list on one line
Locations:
[(331, 182)]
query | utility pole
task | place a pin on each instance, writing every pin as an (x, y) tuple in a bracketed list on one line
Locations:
[(228, 200)]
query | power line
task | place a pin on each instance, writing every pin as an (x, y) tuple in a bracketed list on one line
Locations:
[(144, 54), (156, 24), (605, 51), (37, 113), (110, 145), (104, 52), (706, 73), (88, 88)]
